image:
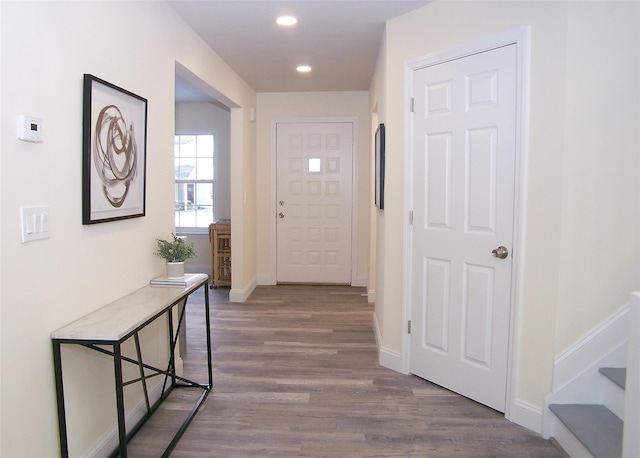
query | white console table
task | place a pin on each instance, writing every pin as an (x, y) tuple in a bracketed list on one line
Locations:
[(106, 329)]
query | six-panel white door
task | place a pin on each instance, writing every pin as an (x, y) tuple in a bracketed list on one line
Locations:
[(463, 200), (314, 202)]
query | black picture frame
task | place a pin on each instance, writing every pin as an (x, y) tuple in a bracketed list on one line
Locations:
[(114, 152), (380, 153)]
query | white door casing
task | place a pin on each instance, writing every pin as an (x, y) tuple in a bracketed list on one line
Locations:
[(314, 202), (463, 194)]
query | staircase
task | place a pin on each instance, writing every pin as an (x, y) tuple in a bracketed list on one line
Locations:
[(594, 429), (594, 412)]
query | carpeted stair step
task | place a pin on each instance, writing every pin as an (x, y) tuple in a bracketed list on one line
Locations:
[(595, 426), (617, 375)]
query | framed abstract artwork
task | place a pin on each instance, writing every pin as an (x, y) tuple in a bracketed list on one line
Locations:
[(379, 142), (114, 139)]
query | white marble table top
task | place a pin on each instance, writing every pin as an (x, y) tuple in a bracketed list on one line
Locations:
[(116, 320)]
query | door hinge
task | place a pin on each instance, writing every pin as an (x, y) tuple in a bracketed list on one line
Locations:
[(412, 105), (409, 327), (410, 217)]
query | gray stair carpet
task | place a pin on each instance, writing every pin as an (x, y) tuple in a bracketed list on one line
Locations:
[(595, 426), (617, 375)]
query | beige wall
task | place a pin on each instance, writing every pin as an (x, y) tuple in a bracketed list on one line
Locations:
[(48, 283), (377, 106), (581, 201), (599, 253), (279, 106)]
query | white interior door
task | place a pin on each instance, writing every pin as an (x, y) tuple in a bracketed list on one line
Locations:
[(314, 202), (463, 195)]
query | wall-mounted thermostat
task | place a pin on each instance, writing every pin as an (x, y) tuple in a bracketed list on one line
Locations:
[(30, 129)]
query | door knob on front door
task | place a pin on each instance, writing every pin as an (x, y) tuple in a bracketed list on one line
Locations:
[(501, 252), (281, 215)]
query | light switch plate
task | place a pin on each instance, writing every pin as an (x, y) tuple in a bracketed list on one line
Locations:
[(35, 223)]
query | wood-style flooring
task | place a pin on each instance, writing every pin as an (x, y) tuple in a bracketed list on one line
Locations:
[(296, 374)]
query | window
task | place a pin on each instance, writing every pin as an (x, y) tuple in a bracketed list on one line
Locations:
[(314, 165), (194, 182)]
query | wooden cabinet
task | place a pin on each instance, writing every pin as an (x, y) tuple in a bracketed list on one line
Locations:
[(220, 238)]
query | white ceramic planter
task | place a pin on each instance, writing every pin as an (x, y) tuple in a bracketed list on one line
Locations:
[(175, 270)]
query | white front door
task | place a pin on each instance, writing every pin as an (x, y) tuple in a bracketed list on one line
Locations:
[(463, 202), (314, 202)]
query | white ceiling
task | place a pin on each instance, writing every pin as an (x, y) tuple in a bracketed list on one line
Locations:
[(338, 39)]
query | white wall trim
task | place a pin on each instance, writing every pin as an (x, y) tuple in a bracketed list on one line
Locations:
[(241, 295), (391, 359), (527, 415), (594, 346), (521, 38), (355, 280), (386, 357), (631, 438)]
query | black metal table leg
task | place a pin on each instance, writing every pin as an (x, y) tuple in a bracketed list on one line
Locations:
[(208, 331), (143, 377), (62, 416), (122, 430)]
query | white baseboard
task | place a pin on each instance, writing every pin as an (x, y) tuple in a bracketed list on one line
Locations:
[(527, 415), (388, 358), (241, 295)]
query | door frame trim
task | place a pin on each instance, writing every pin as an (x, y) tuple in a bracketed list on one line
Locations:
[(520, 37), (354, 189)]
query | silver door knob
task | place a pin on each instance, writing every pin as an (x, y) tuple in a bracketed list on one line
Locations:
[(280, 215), (501, 252), (281, 203)]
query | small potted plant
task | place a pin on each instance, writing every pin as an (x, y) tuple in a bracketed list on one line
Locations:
[(175, 252)]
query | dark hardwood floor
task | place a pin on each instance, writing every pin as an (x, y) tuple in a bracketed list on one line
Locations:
[(296, 374)]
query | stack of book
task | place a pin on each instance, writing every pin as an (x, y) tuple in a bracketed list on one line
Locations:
[(187, 280)]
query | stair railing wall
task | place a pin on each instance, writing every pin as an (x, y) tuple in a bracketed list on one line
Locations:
[(631, 438), (575, 377)]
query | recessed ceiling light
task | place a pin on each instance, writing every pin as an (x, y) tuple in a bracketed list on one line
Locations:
[(303, 68), (286, 21)]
